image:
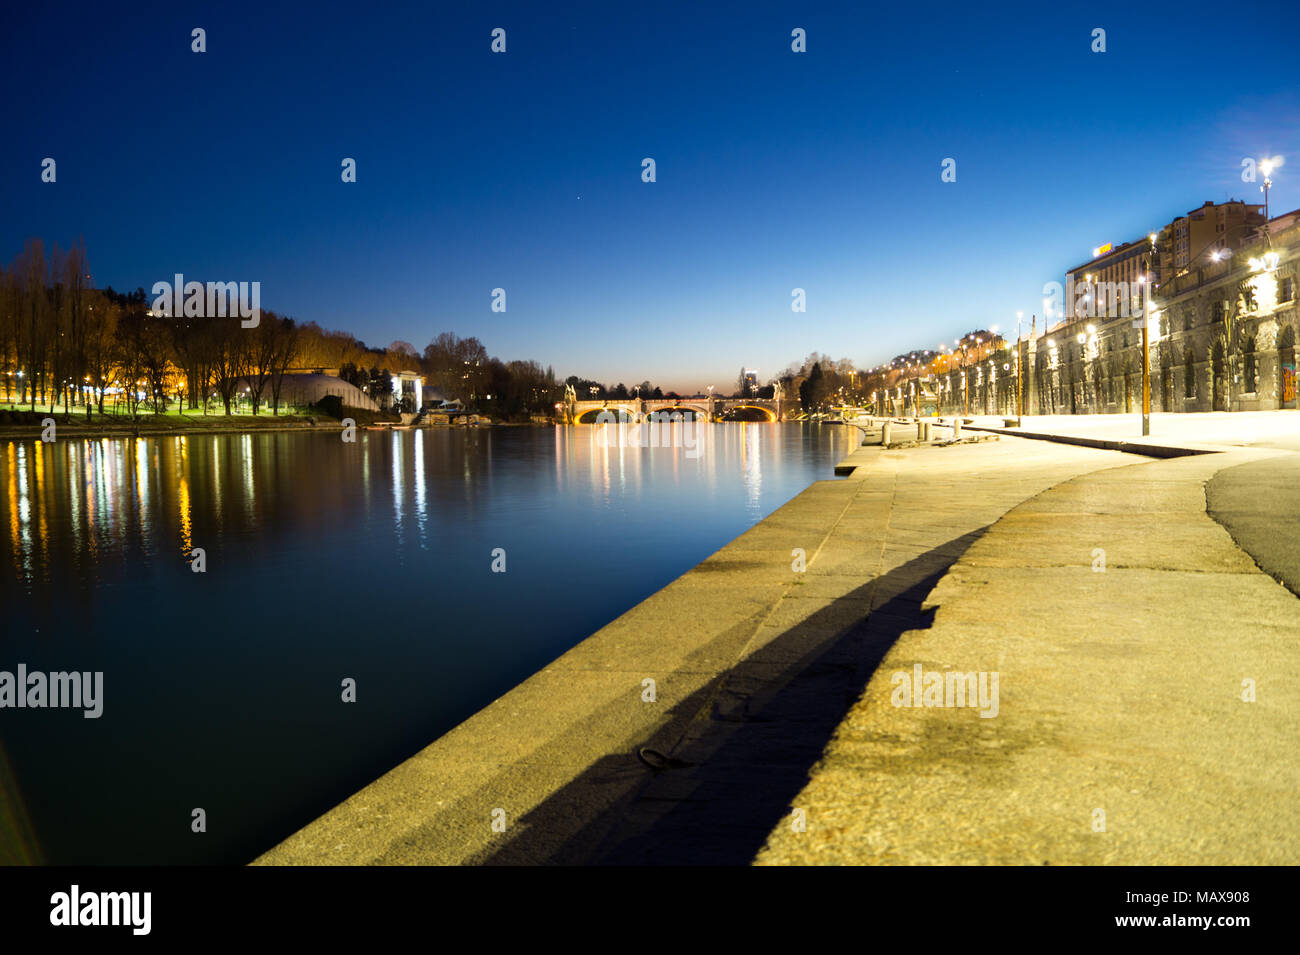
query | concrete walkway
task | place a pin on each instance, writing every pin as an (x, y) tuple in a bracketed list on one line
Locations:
[(1259, 503), (754, 664), (1209, 430), (1121, 736)]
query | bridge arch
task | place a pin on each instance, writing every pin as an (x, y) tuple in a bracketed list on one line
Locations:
[(664, 409), (749, 412), (589, 415)]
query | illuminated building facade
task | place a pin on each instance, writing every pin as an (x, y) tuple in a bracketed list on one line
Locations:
[(1219, 291)]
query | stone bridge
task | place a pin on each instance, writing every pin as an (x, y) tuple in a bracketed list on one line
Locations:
[(638, 409)]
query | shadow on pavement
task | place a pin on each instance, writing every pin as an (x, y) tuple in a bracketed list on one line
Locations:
[(752, 736)]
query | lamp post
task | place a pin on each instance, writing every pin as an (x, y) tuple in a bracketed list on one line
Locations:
[(1020, 385), (965, 375), (947, 367), (1087, 345), (1146, 280), (990, 389), (965, 384), (1266, 167)]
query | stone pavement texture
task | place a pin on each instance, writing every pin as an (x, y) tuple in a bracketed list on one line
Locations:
[(1200, 430), (1258, 503), (1121, 690), (754, 666)]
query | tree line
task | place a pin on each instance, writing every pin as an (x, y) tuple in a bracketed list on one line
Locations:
[(820, 381), (65, 343)]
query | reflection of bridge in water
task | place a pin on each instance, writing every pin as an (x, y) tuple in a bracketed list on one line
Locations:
[(711, 409)]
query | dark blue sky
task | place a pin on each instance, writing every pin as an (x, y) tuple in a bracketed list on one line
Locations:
[(523, 171)]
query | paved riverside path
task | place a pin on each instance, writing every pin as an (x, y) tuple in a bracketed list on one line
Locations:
[(1218, 430), (1120, 690), (1258, 503), (754, 666)]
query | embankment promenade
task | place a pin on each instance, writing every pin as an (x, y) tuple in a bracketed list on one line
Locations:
[(24, 424), (75, 425), (768, 687)]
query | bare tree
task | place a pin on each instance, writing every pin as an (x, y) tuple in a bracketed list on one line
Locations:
[(35, 315), (129, 356), (154, 342), (456, 366), (11, 306), (260, 355), (229, 357), (100, 336), (76, 280), (283, 356)]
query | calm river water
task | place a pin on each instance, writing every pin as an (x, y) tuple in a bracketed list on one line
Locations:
[(324, 561)]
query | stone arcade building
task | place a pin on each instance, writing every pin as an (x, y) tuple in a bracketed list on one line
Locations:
[(1223, 317)]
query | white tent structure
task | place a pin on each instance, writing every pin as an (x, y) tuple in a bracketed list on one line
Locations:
[(309, 389)]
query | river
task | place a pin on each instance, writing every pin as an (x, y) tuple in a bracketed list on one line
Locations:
[(323, 562)]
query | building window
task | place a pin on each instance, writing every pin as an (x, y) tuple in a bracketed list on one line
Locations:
[(1189, 375), (1286, 289)]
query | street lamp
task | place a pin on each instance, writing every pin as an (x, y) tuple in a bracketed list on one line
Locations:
[(1020, 386), (965, 378), (1266, 167), (1146, 340), (1087, 353)]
